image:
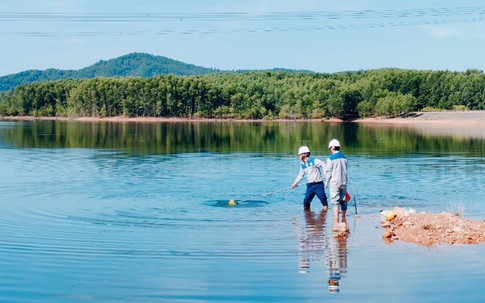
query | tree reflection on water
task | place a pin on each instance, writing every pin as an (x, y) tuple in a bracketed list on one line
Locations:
[(225, 137)]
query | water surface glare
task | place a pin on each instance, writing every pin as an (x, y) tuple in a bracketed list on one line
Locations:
[(85, 219)]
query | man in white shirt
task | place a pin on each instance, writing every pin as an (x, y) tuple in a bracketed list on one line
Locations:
[(313, 169)]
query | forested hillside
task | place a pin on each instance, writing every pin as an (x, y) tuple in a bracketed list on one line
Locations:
[(131, 65), (253, 95)]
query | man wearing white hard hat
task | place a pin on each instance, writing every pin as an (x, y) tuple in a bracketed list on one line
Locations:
[(336, 177), (313, 169)]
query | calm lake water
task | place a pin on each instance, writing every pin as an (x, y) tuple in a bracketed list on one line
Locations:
[(132, 212)]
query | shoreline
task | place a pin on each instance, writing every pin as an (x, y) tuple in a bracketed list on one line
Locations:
[(458, 125), (159, 119), (451, 118), (455, 119)]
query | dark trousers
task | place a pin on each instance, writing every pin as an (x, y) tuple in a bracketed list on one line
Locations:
[(313, 189)]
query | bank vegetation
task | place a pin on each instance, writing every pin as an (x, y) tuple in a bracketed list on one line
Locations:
[(252, 95)]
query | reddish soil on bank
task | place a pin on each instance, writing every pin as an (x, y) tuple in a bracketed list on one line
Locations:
[(428, 229)]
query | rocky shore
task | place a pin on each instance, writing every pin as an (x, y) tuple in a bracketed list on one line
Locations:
[(429, 229)]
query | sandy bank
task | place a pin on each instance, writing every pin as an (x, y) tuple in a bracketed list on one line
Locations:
[(466, 124), (452, 118), (156, 119), (455, 118)]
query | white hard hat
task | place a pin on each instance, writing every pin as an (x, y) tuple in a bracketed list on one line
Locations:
[(303, 150), (333, 143)]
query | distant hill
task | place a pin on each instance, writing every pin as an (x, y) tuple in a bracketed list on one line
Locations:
[(134, 65), (131, 65)]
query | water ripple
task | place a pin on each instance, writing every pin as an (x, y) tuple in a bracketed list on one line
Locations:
[(103, 224)]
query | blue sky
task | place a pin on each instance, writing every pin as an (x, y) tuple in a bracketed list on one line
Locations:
[(319, 35)]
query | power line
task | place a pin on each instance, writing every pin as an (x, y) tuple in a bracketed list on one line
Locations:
[(268, 22), (241, 16), (402, 23)]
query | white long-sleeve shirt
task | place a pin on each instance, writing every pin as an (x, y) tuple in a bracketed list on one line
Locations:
[(336, 169), (313, 170)]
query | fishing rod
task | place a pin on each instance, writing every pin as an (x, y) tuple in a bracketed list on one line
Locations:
[(233, 202)]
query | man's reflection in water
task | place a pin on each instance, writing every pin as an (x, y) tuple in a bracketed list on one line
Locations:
[(336, 259), (312, 239), (315, 246)]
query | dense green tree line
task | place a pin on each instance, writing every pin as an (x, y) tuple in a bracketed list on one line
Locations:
[(252, 95)]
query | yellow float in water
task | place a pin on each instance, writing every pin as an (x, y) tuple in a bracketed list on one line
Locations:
[(232, 202)]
